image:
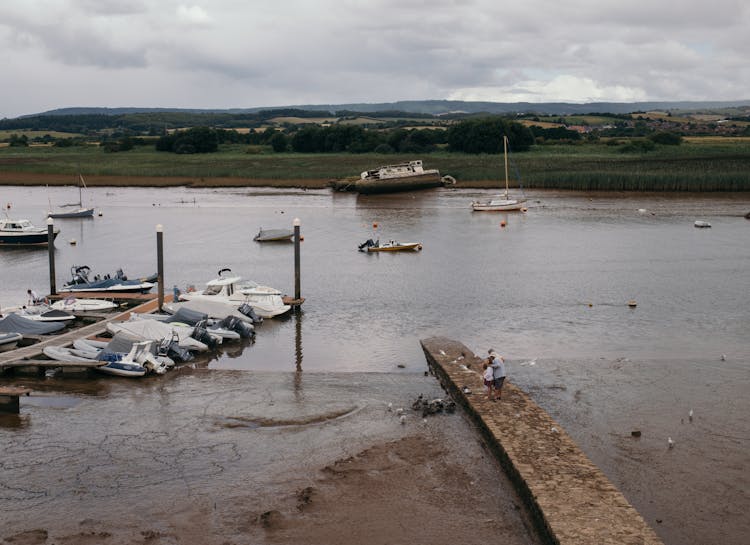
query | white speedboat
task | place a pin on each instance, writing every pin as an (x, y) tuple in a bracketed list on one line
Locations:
[(83, 306), (267, 302), (21, 232)]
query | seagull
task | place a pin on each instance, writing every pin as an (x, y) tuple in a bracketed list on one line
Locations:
[(459, 358), (390, 406), (467, 390), (670, 443), (723, 357), (403, 419), (399, 411), (442, 353), (690, 415), (554, 430)]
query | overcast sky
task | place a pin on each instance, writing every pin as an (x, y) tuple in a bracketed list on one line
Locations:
[(249, 53)]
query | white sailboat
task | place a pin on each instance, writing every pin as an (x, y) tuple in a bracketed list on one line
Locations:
[(80, 212), (502, 202)]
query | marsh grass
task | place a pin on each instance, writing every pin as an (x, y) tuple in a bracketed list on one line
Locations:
[(697, 165)]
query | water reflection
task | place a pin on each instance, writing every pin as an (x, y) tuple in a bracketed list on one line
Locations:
[(297, 349)]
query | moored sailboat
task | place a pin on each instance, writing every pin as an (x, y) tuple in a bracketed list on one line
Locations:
[(502, 202)]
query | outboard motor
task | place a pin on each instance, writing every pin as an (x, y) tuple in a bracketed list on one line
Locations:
[(247, 310), (233, 323), (178, 353), (201, 334), (366, 244)]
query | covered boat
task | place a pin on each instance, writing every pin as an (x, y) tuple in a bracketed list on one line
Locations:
[(13, 323), (83, 306)]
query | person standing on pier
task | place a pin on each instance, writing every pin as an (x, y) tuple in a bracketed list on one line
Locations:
[(497, 364), (488, 380)]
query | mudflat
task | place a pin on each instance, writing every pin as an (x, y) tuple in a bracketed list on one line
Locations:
[(220, 457)]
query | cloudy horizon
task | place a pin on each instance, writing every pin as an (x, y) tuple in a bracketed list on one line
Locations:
[(240, 54)]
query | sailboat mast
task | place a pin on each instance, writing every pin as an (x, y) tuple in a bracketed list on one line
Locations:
[(505, 155)]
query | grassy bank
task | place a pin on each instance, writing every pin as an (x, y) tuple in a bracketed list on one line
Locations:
[(696, 165)]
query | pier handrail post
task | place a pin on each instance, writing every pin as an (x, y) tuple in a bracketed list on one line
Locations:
[(51, 250), (297, 290), (160, 263)]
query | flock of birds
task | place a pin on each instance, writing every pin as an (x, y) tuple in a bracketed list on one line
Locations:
[(426, 407)]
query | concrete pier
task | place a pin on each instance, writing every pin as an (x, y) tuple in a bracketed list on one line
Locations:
[(571, 501)]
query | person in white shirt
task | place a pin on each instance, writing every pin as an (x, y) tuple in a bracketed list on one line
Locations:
[(497, 364), (488, 380)]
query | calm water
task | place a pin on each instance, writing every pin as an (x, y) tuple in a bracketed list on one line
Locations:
[(549, 291), (554, 282)]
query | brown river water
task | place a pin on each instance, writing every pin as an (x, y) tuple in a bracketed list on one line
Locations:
[(549, 290)]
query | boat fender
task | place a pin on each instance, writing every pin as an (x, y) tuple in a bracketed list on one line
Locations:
[(419, 246)]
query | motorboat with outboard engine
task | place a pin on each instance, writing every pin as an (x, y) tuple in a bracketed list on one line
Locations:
[(119, 282)]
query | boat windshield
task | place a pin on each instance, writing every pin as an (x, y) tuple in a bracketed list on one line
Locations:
[(212, 290)]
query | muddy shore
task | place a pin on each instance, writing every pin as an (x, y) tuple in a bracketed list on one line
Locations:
[(216, 457)]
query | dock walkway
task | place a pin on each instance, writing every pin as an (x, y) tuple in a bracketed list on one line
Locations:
[(571, 501)]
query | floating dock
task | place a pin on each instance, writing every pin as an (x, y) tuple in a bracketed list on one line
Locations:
[(571, 501)]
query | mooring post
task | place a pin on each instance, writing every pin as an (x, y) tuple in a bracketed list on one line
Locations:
[(51, 250), (297, 291), (160, 262)]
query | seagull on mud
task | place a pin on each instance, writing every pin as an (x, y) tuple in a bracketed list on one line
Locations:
[(690, 415), (670, 443), (442, 352), (390, 406), (403, 419)]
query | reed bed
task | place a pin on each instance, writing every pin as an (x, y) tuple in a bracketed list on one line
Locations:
[(694, 166)]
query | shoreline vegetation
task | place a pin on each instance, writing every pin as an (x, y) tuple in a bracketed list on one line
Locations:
[(698, 165)]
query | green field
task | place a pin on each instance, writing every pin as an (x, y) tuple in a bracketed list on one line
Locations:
[(697, 165)]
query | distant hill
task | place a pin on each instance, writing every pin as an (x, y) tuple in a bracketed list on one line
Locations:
[(437, 107)]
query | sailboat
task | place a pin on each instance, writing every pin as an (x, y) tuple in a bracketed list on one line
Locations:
[(503, 202), (80, 212)]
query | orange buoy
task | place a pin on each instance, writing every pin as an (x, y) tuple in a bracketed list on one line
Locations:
[(502, 224), (301, 238), (524, 209), (374, 225)]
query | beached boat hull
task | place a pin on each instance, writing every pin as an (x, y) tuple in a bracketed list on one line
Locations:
[(427, 180), (274, 235)]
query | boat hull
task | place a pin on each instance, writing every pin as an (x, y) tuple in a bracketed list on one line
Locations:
[(9, 341), (509, 205), (26, 239), (80, 213), (274, 235), (403, 247), (427, 180)]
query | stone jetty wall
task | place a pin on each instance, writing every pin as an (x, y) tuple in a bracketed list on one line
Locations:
[(571, 501)]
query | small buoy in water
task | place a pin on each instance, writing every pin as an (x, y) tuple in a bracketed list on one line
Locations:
[(632, 303), (100, 213), (524, 209), (502, 224), (301, 238), (635, 433), (590, 305), (723, 357), (375, 225), (642, 210), (73, 242)]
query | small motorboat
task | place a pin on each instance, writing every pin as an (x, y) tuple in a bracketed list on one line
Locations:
[(274, 235), (119, 282), (83, 306), (8, 341), (41, 313), (391, 246), (23, 233), (702, 224)]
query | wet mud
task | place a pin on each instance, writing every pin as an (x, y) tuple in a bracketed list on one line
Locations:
[(158, 462)]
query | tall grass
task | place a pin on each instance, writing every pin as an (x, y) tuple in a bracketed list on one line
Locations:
[(695, 166)]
